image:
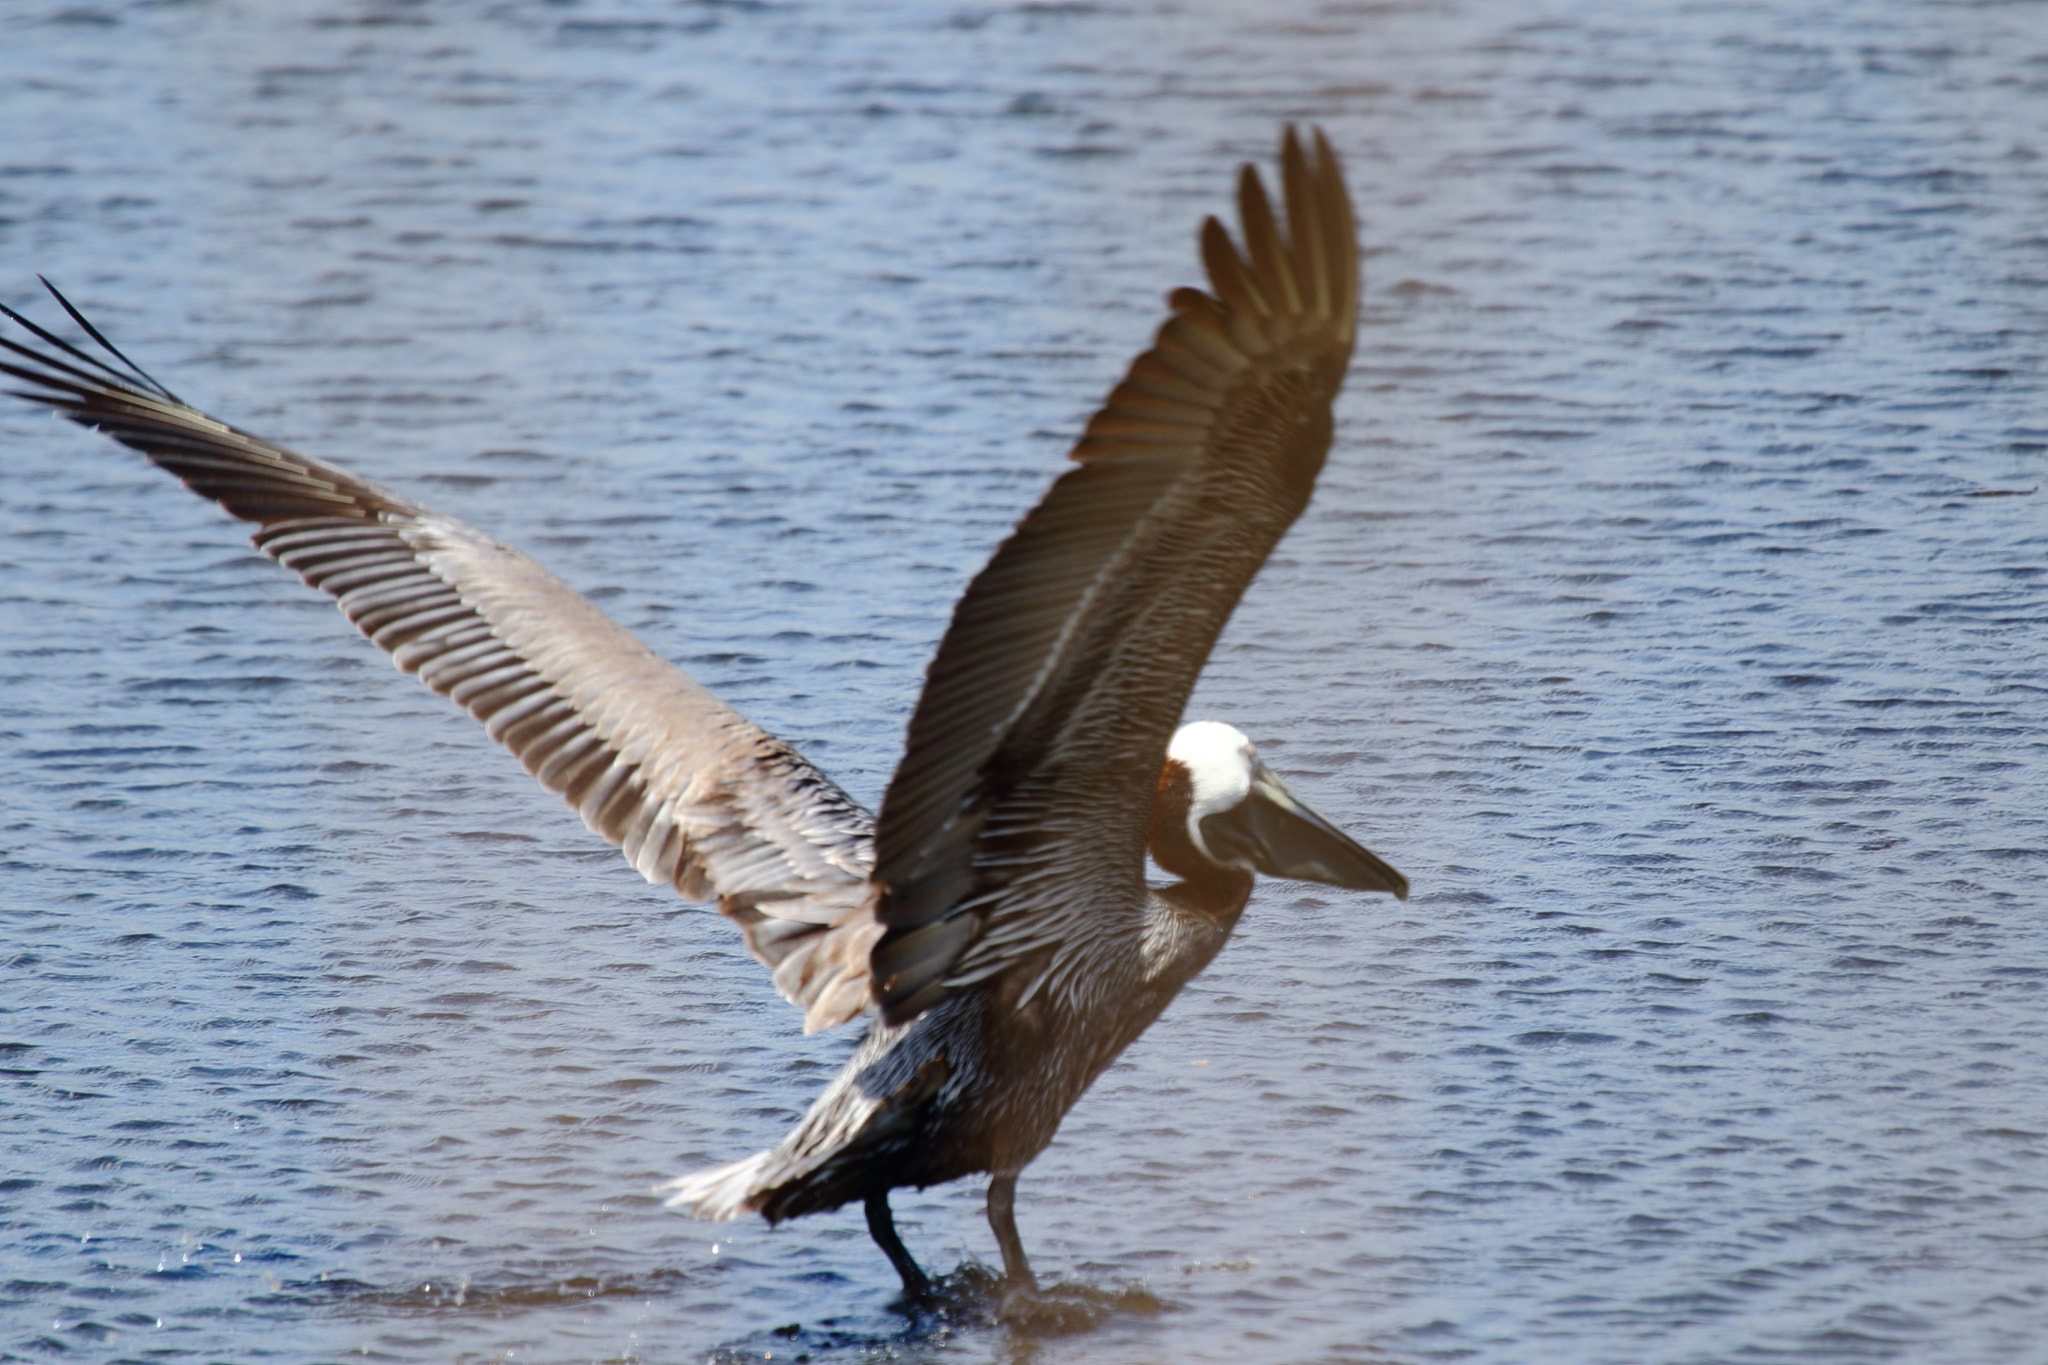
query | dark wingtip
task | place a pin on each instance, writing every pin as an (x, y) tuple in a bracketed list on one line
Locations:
[(136, 384), (1326, 156), (113, 350), (1251, 188)]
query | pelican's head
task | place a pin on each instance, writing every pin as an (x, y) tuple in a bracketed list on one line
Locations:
[(1238, 814)]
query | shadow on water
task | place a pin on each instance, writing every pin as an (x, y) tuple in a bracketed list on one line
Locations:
[(961, 1304)]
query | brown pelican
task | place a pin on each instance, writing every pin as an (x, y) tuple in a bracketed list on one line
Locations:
[(997, 919)]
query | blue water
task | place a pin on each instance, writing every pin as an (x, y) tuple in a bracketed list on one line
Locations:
[(1671, 612)]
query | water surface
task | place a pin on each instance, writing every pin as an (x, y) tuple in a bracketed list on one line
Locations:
[(1671, 612)]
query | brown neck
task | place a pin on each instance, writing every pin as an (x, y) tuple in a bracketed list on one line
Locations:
[(1206, 885)]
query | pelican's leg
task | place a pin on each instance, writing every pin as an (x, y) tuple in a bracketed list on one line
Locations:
[(1020, 1286), (882, 1227)]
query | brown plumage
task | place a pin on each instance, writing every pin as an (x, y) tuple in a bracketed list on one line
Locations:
[(1071, 656), (997, 915), (692, 792)]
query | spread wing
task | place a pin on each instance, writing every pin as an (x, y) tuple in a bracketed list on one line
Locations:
[(691, 791), (1013, 834)]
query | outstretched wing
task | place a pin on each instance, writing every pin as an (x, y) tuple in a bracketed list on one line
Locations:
[(691, 791), (1013, 834)]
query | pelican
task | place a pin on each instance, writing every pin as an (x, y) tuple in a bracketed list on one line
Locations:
[(996, 922)]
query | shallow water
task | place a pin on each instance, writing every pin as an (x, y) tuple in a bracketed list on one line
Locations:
[(1671, 612)]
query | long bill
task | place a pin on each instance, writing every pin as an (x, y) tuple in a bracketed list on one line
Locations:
[(1274, 832)]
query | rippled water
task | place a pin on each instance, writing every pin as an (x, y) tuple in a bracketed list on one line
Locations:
[(1671, 612)]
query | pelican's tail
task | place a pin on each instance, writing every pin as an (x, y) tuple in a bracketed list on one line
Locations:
[(721, 1193), (847, 1147)]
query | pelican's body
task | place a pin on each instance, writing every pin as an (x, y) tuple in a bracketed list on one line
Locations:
[(996, 919), (980, 1081)]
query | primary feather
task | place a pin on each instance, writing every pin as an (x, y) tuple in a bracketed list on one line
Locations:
[(692, 792), (1015, 826)]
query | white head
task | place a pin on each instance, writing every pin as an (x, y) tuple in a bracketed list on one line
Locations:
[(1220, 763), (1241, 815)]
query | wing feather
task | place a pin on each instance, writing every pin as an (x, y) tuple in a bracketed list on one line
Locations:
[(1013, 834), (694, 794)]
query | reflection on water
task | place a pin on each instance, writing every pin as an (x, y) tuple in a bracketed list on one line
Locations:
[(1671, 611), (961, 1304)]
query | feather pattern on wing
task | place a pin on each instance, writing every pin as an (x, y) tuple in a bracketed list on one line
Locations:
[(1013, 834), (692, 792)]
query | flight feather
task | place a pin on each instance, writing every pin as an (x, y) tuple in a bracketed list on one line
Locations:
[(1014, 830), (693, 793)]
